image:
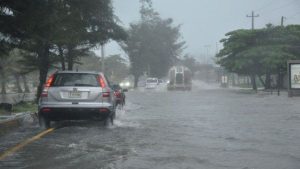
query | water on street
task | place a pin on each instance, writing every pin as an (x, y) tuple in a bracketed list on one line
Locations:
[(207, 128)]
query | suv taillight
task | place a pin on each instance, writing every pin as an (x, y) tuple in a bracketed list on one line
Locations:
[(106, 94), (117, 93), (101, 81), (47, 86)]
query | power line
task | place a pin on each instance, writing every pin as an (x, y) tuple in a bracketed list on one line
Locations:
[(292, 16), (266, 5), (283, 6)]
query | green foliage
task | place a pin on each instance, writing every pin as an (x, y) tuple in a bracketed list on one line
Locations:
[(25, 107), (257, 52), (55, 31), (115, 66), (153, 43), (190, 63)]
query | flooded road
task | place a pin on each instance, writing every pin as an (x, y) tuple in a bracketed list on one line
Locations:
[(205, 128)]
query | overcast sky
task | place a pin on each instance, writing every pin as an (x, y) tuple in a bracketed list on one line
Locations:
[(205, 22)]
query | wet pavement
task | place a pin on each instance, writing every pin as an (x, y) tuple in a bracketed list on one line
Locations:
[(207, 128)]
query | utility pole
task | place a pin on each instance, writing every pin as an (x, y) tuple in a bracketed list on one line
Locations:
[(207, 53), (282, 20), (206, 62), (217, 48), (253, 80), (252, 16), (102, 58)]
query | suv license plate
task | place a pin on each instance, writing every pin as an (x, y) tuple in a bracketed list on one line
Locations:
[(75, 94)]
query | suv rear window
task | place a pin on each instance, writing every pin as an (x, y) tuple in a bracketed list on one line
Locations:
[(75, 79)]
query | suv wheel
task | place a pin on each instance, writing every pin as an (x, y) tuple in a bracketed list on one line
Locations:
[(109, 121), (44, 122)]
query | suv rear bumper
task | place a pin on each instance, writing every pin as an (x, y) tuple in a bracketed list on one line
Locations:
[(57, 114)]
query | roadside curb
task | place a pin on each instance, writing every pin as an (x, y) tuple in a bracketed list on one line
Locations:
[(13, 123)]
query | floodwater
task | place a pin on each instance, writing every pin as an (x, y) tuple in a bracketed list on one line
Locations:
[(208, 127)]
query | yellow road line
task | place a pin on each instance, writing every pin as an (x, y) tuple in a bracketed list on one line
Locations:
[(23, 144)]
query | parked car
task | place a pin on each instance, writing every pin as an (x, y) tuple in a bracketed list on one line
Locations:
[(151, 83), (119, 94), (70, 95)]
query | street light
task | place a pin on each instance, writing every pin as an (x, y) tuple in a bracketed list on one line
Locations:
[(102, 57), (103, 52)]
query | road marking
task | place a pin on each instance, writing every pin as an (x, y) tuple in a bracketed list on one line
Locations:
[(23, 144)]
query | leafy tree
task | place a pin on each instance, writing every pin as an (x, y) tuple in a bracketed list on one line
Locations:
[(153, 43), (190, 62), (115, 66), (58, 29), (82, 26), (259, 52)]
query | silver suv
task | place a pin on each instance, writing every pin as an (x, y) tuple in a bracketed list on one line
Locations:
[(69, 95)]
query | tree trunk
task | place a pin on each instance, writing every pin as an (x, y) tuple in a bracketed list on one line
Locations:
[(19, 88), (247, 80), (136, 80), (268, 80), (280, 80), (233, 79), (62, 58), (253, 82), (70, 58), (3, 83), (262, 82), (43, 68), (26, 87)]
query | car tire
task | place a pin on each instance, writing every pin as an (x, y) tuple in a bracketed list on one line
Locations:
[(123, 103), (114, 115), (109, 120), (44, 122)]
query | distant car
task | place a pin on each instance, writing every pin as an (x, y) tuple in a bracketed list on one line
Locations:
[(69, 95), (126, 84), (119, 94), (151, 83)]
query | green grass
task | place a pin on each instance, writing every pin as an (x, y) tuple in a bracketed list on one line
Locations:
[(21, 107), (25, 107)]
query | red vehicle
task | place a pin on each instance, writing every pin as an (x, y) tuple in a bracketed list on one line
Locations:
[(119, 94)]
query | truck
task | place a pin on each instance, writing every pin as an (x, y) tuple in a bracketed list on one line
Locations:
[(180, 78)]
